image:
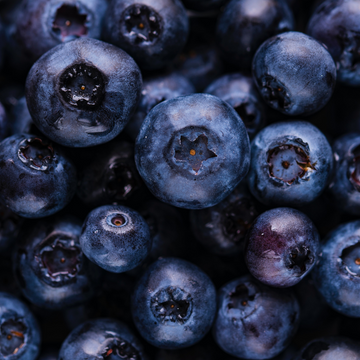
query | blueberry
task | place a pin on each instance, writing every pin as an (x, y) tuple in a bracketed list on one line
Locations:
[(337, 273), (240, 92), (156, 90), (115, 238), (254, 321), (20, 332), (337, 25), (36, 179), (174, 303), (291, 164), (153, 32), (245, 24), (192, 151), (22, 122), (281, 247), (88, 97), (50, 267), (101, 339), (294, 73)]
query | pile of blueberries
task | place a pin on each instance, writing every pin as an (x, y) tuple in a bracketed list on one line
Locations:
[(179, 179)]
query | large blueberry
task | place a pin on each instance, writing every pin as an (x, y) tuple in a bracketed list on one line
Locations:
[(174, 304), (254, 321), (294, 73), (291, 164), (192, 151), (36, 179), (83, 92)]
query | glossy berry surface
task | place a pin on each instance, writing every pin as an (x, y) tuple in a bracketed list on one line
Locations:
[(254, 321), (291, 164), (36, 179), (294, 73), (192, 151), (115, 238), (174, 303), (102, 339), (282, 247), (87, 98)]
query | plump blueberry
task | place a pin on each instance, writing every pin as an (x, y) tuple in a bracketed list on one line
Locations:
[(156, 90), (281, 247), (254, 321), (153, 32), (21, 120), (36, 179), (222, 228), (115, 238), (10, 225), (50, 267), (88, 97), (330, 348), (291, 164), (20, 332), (174, 304), (337, 272), (192, 151), (294, 73), (240, 92), (345, 186), (102, 339), (337, 25)]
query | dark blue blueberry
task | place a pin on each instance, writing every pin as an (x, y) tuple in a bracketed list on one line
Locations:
[(174, 304), (254, 321), (245, 24), (50, 267), (281, 247), (156, 90), (88, 97), (336, 23), (345, 186), (330, 348), (36, 179), (291, 164), (337, 272), (294, 73), (203, 5), (10, 225), (22, 122), (153, 32), (102, 339), (192, 151), (115, 238), (19, 331), (240, 92)]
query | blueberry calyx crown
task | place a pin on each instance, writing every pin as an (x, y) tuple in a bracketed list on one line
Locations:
[(82, 86), (171, 305), (117, 220), (350, 259), (117, 348), (299, 257), (354, 169), (274, 92), (240, 297), (36, 153), (141, 24), (12, 337)]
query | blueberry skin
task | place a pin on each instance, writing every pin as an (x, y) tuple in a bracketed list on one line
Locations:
[(336, 274), (156, 90), (294, 73), (173, 283), (16, 316), (96, 338), (31, 186), (345, 186), (162, 36), (330, 348), (240, 92), (192, 151), (245, 24), (87, 111), (298, 185), (254, 321), (115, 238), (50, 268), (281, 247), (336, 24)]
